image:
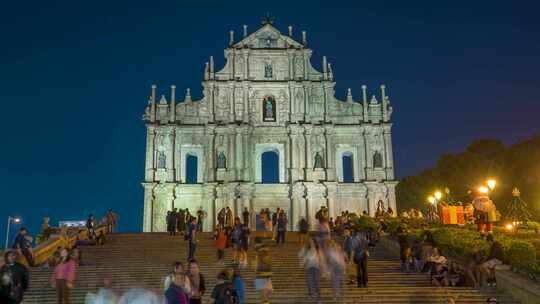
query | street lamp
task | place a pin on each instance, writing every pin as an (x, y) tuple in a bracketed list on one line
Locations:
[(438, 195), (431, 199), (483, 189), (491, 184), (11, 219)]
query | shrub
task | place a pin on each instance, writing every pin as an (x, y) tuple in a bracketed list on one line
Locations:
[(520, 254)]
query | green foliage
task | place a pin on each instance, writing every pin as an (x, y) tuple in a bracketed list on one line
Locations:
[(514, 166), (519, 254), (365, 223), (392, 225), (459, 242)]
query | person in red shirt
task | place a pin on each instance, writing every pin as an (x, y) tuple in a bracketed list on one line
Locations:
[(220, 241)]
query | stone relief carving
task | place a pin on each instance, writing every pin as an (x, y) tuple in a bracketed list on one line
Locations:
[(239, 65), (267, 39), (299, 66), (316, 101), (239, 103)]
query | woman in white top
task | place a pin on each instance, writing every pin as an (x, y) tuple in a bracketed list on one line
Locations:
[(313, 263)]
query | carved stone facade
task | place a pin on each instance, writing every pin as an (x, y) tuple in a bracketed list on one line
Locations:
[(267, 98)]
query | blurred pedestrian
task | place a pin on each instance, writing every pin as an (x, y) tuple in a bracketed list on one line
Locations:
[(263, 270), (312, 260), (14, 279), (361, 254), (198, 287), (23, 245), (63, 278)]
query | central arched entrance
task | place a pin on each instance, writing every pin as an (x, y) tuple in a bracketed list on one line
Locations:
[(270, 167)]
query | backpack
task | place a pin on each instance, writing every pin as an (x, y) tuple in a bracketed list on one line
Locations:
[(228, 295), (359, 255)]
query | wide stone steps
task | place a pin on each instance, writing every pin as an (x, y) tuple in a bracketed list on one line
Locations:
[(143, 260)]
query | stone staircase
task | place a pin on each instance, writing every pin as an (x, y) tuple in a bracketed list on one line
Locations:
[(142, 260)]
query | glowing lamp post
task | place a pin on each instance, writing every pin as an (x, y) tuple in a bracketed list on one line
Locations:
[(10, 220)]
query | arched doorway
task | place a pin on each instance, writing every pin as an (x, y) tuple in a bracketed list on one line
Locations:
[(270, 167), (191, 169), (348, 167)]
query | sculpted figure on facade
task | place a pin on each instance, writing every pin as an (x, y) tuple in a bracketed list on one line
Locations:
[(221, 160), (268, 70), (318, 162), (377, 160)]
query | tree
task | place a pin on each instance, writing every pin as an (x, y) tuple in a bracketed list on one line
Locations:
[(517, 165), (517, 209)]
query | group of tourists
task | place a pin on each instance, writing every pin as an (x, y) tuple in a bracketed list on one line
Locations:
[(178, 220), (422, 255)]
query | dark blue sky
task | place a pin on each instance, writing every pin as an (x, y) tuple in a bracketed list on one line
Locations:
[(75, 76)]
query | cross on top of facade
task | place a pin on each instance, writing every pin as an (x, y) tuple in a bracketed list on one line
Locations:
[(267, 19)]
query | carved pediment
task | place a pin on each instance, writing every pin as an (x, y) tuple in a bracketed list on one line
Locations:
[(267, 37)]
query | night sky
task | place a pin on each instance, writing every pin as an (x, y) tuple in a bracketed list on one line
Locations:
[(75, 77)]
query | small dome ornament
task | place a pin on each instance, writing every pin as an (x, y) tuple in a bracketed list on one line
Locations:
[(515, 192)]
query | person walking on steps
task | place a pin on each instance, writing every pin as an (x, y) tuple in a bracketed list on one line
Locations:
[(63, 278), (198, 286), (281, 228), (192, 239), (360, 258), (313, 263), (24, 246), (263, 271), (245, 216)]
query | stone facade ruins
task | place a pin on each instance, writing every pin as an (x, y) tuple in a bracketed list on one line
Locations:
[(268, 98)]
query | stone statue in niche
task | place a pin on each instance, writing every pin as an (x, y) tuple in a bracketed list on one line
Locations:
[(221, 160), (377, 160), (269, 109), (318, 164), (268, 72), (162, 159)]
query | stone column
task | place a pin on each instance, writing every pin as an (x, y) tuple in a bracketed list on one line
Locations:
[(388, 152), (149, 164), (363, 155), (290, 54), (245, 54), (170, 156), (372, 193), (249, 169), (163, 195), (299, 209), (330, 154), (245, 99), (210, 151), (331, 188), (307, 155), (148, 204), (316, 197), (209, 200), (391, 195), (231, 157)]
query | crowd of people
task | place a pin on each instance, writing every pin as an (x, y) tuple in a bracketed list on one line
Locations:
[(338, 249), (422, 255), (14, 269)]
